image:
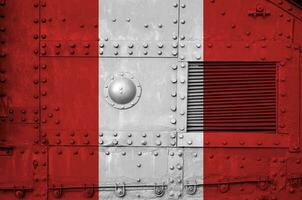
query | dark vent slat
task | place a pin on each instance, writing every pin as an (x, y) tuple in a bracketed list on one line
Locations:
[(231, 97)]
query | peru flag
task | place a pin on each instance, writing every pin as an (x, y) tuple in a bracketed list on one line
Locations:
[(152, 99)]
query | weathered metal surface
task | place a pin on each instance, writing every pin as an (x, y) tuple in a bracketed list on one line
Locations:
[(95, 96)]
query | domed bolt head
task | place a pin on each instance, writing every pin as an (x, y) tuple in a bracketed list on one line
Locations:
[(122, 90)]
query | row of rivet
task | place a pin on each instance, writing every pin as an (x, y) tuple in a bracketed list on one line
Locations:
[(173, 107), (143, 142)]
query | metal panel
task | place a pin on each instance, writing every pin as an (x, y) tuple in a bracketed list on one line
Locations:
[(191, 30), (158, 84), (131, 28), (125, 170)]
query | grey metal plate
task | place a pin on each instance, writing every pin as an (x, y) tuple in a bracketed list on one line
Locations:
[(191, 30), (126, 26), (152, 112)]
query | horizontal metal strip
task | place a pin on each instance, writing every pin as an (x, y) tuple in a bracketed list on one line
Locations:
[(224, 100), (242, 93), (231, 84), (209, 76), (240, 116), (237, 129), (232, 63), (239, 124), (228, 74), (226, 103), (231, 111), (242, 105), (200, 95), (233, 69), (217, 89), (238, 92), (231, 121), (236, 82), (201, 79)]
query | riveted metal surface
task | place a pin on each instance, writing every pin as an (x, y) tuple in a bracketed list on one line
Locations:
[(16, 178), (158, 87), (131, 28), (182, 98), (133, 166), (191, 30), (69, 80), (140, 138), (61, 138)]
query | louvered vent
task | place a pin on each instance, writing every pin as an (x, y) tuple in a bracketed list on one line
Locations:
[(231, 97)]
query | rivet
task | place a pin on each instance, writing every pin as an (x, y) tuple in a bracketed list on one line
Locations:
[(173, 94), (115, 45), (173, 108), (130, 45), (174, 67), (145, 45), (160, 45), (173, 121)]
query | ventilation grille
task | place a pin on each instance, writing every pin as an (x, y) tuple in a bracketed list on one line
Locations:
[(231, 97)]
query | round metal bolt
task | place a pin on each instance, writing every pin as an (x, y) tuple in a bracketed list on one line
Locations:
[(173, 108), (116, 45)]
